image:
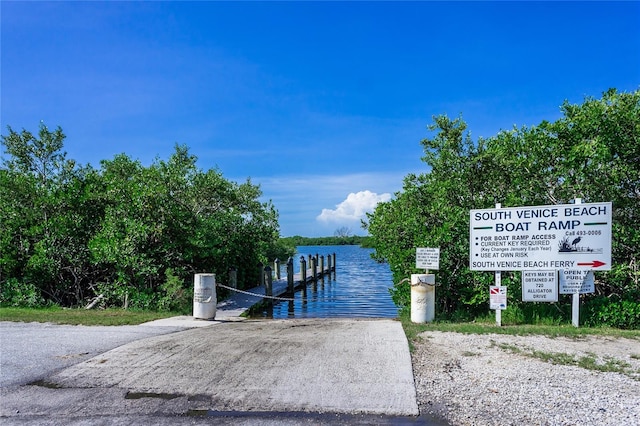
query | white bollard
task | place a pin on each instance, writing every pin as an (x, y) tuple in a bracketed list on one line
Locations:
[(423, 297), (204, 296)]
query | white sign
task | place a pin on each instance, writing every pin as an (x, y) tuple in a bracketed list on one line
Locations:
[(497, 297), (539, 286), (427, 258), (563, 236), (576, 281)]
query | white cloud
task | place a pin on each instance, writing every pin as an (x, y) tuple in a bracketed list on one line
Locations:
[(354, 208), (300, 197)]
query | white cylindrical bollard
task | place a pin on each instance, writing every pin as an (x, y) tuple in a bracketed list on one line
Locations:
[(204, 296), (423, 297)]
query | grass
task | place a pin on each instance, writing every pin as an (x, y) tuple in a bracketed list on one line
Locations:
[(487, 326), (81, 316), (588, 362)]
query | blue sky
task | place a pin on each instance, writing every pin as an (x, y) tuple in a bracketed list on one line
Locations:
[(321, 104)]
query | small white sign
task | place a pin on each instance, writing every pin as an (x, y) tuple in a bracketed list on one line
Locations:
[(427, 258), (497, 297), (539, 286), (576, 281)]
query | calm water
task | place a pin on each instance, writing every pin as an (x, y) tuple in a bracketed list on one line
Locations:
[(359, 287)]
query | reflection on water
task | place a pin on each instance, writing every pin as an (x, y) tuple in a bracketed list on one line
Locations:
[(358, 288)]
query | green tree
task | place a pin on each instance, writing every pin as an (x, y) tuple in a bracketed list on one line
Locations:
[(592, 152), (134, 234), (45, 203)]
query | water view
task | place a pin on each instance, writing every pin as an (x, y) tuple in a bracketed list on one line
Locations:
[(358, 288)]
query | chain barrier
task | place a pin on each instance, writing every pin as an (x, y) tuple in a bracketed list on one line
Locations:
[(285, 299)]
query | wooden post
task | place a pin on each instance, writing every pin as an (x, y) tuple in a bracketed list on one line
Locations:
[(322, 265), (314, 268), (269, 281), (303, 270), (276, 266), (290, 284), (329, 263), (334, 261), (261, 269), (233, 277)]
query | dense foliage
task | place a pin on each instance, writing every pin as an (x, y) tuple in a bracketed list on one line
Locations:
[(592, 153), (133, 234)]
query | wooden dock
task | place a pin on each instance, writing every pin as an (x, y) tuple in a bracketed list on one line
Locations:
[(275, 287)]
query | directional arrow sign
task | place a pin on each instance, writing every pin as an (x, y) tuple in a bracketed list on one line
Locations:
[(594, 264)]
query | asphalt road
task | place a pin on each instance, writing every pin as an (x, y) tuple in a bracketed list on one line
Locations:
[(33, 351)]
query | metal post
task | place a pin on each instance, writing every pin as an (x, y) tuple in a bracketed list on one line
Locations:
[(498, 311), (498, 277), (575, 297)]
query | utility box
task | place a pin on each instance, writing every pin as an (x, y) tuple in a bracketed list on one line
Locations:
[(423, 297), (204, 296)]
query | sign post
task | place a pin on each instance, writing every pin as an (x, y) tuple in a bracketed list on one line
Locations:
[(498, 284)]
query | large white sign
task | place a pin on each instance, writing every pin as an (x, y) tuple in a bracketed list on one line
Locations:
[(539, 286), (576, 281), (427, 258), (564, 236)]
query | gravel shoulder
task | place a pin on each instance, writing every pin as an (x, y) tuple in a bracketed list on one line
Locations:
[(501, 380)]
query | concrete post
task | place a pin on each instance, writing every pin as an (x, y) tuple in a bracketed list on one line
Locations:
[(423, 296), (204, 296)]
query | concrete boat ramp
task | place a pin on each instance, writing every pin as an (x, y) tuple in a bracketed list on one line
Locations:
[(233, 371)]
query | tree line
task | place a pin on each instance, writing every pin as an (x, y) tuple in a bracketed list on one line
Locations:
[(133, 234), (297, 240), (592, 152)]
